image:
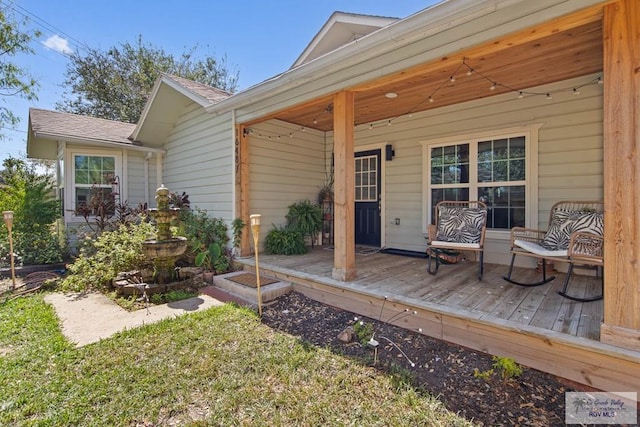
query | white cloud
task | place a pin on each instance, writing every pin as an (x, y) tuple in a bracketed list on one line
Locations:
[(57, 43)]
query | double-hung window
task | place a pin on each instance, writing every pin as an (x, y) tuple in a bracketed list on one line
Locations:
[(94, 178), (497, 168)]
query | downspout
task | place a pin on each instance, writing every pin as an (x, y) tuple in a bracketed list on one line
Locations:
[(159, 178), (234, 162), (146, 176)]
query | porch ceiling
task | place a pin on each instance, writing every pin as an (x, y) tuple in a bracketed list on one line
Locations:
[(557, 56)]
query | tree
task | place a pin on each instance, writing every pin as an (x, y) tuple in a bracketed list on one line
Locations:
[(115, 84), (14, 81), (30, 195)]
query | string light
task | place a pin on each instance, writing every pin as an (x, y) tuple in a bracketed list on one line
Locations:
[(431, 98)]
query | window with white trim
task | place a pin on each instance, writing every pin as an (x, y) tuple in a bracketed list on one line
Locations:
[(496, 169), (94, 177)]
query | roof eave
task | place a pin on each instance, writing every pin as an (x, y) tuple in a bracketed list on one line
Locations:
[(164, 79), (53, 137), (432, 20)]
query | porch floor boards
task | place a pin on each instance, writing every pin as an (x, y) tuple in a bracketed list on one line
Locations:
[(457, 287)]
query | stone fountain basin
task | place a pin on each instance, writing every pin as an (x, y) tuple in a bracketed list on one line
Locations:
[(154, 249)]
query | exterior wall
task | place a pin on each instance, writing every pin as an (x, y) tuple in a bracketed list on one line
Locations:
[(283, 170), (132, 182), (569, 154), (141, 178), (199, 161)]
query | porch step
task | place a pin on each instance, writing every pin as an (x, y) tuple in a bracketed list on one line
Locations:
[(270, 289)]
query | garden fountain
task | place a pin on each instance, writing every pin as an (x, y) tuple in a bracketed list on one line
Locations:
[(164, 249)]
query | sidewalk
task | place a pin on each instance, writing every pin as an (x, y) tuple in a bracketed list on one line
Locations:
[(88, 318)]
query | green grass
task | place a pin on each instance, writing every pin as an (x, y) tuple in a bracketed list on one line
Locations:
[(216, 367)]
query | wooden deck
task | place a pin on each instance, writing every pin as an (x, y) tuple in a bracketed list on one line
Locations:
[(535, 326)]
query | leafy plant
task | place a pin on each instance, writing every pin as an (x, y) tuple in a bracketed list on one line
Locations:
[(29, 194), (236, 228), (208, 255), (363, 331), (485, 375), (180, 201), (506, 367), (105, 211), (284, 241), (326, 192), (306, 218), (111, 253), (208, 239)]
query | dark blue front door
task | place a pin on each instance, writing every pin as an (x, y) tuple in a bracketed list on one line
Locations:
[(367, 198)]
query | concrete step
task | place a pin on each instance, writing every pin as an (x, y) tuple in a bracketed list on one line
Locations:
[(269, 292)]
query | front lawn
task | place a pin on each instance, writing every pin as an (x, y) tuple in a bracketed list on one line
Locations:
[(216, 367)]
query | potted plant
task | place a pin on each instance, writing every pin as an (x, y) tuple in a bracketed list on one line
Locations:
[(326, 193), (306, 218)]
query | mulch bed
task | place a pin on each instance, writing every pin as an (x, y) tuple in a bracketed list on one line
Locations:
[(446, 370)]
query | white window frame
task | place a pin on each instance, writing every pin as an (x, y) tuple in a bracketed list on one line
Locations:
[(70, 173), (530, 133)]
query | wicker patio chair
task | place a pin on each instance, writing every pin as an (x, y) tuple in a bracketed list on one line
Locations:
[(575, 235), (460, 226)]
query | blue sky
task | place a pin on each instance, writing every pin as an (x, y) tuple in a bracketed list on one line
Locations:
[(259, 38)]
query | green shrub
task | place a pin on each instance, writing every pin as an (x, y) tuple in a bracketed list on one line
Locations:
[(506, 367), (39, 246), (197, 226), (208, 239), (306, 218), (363, 331), (284, 241), (29, 194), (114, 252)]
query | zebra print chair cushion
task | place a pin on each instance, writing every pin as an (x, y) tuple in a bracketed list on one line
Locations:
[(565, 223), (460, 225)]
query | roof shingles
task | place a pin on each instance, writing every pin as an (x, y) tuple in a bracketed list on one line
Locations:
[(66, 125)]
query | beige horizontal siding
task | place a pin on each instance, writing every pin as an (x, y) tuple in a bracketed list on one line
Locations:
[(283, 171), (569, 153), (199, 161)]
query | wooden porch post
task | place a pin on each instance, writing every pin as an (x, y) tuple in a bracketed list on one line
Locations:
[(621, 32), (242, 187), (344, 266)]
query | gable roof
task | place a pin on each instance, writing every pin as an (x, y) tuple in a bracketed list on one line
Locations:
[(169, 96), (341, 28), (207, 94)]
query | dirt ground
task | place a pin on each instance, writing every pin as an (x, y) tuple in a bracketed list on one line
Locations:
[(433, 366)]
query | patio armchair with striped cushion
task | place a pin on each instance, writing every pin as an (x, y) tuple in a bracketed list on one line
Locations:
[(575, 235), (459, 226)]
